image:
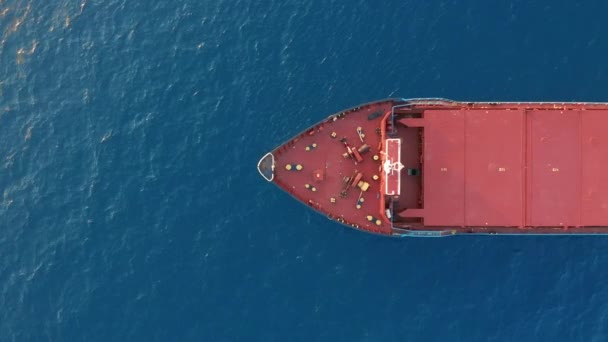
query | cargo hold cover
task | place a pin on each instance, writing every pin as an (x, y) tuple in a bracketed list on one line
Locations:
[(536, 168)]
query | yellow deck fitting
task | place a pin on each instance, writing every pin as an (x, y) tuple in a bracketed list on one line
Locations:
[(333, 134), (375, 177), (332, 200), (363, 185), (375, 157), (360, 202), (311, 147), (288, 167), (370, 218), (299, 167), (310, 187)]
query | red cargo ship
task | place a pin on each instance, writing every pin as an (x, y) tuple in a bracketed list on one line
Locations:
[(436, 167)]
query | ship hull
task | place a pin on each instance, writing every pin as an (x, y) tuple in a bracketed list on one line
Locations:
[(436, 167)]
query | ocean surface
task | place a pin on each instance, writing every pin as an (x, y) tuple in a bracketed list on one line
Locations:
[(131, 208)]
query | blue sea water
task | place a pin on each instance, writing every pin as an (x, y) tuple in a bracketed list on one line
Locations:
[(131, 209)]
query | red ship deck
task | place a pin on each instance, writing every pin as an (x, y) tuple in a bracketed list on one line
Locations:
[(510, 167), (456, 167), (324, 167)]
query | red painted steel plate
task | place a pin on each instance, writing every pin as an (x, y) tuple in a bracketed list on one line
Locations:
[(594, 185), (554, 168), (473, 168), (494, 153), (444, 168)]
